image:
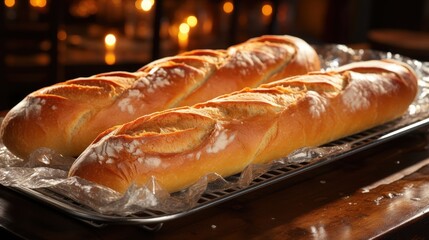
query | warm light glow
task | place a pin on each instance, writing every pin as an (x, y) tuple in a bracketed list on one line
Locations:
[(138, 4), (183, 36), (38, 3), (183, 39), (110, 58), (192, 21), (45, 45), (145, 5), (62, 35), (110, 41), (207, 26), (83, 9), (9, 3), (184, 28), (228, 7), (267, 10), (173, 30)]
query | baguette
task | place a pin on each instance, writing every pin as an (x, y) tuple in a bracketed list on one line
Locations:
[(252, 126), (67, 116)]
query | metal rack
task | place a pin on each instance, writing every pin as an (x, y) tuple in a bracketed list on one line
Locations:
[(153, 220), (286, 168)]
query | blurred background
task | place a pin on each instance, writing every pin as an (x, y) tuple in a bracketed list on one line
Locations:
[(47, 41)]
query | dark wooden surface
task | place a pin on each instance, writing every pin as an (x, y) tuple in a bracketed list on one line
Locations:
[(380, 193)]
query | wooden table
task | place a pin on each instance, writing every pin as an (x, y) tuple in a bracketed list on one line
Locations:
[(359, 197)]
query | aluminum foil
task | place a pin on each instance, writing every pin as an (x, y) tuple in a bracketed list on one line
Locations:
[(47, 169)]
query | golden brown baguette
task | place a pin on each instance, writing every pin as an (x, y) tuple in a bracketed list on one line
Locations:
[(224, 135), (68, 116)]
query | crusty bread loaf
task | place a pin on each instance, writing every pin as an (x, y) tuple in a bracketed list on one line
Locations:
[(224, 135), (67, 116)]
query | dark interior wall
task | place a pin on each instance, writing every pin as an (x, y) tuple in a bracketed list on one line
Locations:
[(317, 21), (349, 21), (400, 14)]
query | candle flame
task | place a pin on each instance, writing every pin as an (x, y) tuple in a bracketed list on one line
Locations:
[(38, 3), (183, 36), (145, 5), (110, 41), (192, 21), (184, 28), (183, 39), (9, 3), (110, 58), (267, 10), (228, 7)]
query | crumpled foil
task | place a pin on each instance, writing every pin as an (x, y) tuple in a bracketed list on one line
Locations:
[(47, 169)]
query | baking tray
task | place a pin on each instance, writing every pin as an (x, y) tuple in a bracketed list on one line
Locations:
[(153, 220), (282, 169)]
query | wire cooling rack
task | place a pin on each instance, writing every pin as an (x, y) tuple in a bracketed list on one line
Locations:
[(153, 220)]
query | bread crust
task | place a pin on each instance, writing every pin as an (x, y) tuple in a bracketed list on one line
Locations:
[(255, 125), (67, 116)]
